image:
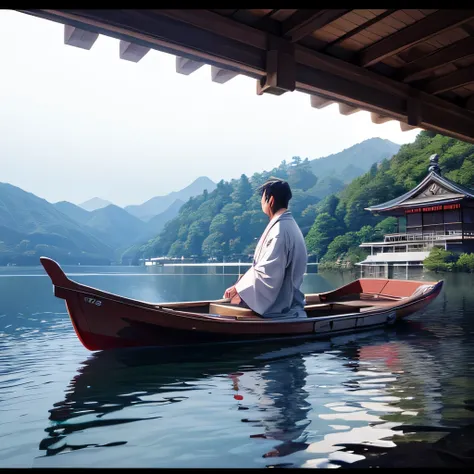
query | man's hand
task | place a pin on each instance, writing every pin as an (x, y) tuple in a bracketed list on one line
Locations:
[(233, 295), (230, 292)]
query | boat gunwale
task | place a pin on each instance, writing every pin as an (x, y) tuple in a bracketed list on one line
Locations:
[(64, 283), (210, 317)]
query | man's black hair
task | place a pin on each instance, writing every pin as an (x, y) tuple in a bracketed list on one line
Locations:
[(279, 189)]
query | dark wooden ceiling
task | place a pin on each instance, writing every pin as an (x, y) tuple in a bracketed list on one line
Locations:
[(411, 65)]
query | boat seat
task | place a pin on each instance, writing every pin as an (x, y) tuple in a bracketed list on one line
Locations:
[(232, 310)]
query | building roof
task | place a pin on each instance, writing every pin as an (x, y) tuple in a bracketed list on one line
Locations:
[(415, 66), (434, 189)]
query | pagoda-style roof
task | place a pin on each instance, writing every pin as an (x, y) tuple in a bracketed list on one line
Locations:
[(434, 189)]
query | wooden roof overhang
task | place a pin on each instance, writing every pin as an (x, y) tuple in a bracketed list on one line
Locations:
[(410, 65)]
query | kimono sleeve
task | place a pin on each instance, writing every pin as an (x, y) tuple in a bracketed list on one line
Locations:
[(261, 284)]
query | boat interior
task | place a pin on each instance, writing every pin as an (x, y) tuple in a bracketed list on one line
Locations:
[(364, 295)]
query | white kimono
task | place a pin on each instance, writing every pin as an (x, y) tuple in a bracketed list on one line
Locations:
[(271, 286)]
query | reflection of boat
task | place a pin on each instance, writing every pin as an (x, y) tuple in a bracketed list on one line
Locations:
[(104, 321), (135, 396), (121, 387)]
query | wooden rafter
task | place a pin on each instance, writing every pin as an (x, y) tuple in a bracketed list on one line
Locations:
[(221, 76), (304, 22), (420, 68), (132, 52), (202, 36), (360, 28), (345, 109), (78, 37), (420, 31), (451, 81), (318, 102)]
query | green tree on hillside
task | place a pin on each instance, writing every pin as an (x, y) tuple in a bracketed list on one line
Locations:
[(387, 181), (321, 234), (243, 191)]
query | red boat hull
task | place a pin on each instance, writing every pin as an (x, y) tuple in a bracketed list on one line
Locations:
[(106, 321)]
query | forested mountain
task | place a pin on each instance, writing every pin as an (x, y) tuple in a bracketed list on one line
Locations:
[(229, 219), (341, 222)]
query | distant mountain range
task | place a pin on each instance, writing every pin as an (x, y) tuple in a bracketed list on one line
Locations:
[(99, 232), (159, 204), (94, 203), (335, 171), (31, 227)]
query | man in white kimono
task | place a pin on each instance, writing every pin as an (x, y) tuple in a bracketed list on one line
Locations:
[(271, 286)]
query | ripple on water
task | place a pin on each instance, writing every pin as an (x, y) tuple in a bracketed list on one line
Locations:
[(317, 404)]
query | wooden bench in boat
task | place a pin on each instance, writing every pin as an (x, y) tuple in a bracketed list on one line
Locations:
[(355, 306), (223, 309)]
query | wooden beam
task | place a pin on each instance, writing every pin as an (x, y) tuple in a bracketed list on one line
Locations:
[(345, 109), (187, 66), (304, 22), (280, 69), (423, 66), (414, 110), (360, 28), (378, 118), (78, 37), (218, 24), (451, 81), (318, 102), (422, 30), (221, 76), (316, 73), (132, 52)]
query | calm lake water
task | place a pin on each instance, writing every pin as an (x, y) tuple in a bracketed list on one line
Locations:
[(313, 404)]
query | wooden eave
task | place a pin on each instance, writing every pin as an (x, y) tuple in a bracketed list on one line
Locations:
[(413, 66)]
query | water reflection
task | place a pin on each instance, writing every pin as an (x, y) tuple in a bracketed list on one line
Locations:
[(320, 404)]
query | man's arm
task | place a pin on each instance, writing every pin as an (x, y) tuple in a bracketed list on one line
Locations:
[(261, 284)]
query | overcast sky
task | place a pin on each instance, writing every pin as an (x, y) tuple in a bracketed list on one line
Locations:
[(77, 124)]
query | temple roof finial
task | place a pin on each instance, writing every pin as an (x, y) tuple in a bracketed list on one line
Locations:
[(434, 167)]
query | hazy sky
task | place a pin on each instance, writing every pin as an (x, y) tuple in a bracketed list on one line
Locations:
[(77, 124)]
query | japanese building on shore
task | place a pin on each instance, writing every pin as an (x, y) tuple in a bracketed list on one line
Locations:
[(436, 213)]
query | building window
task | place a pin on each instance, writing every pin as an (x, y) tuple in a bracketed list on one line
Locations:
[(468, 215), (453, 215), (414, 220), (433, 218)]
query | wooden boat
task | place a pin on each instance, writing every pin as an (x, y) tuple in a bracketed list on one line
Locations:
[(104, 320)]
